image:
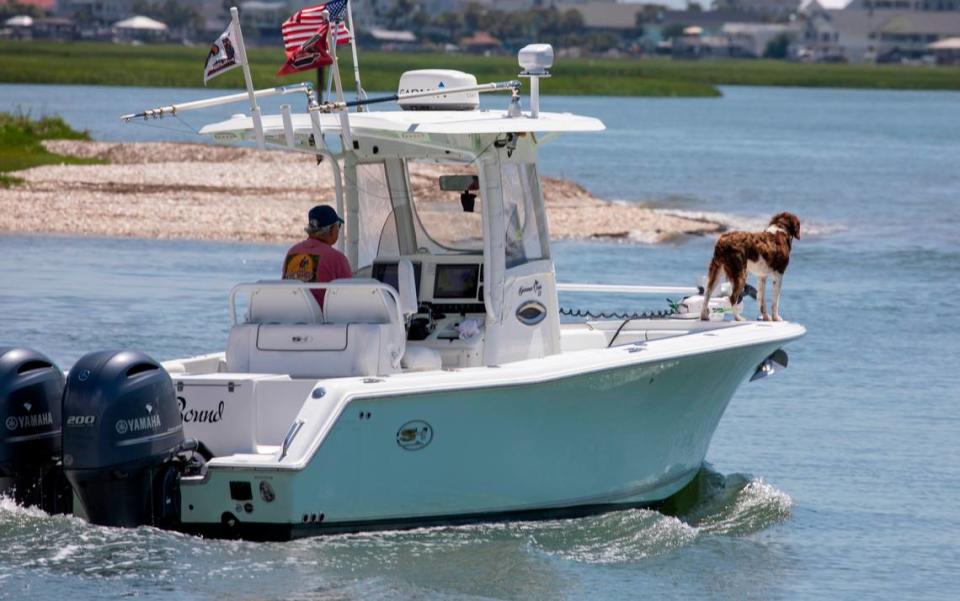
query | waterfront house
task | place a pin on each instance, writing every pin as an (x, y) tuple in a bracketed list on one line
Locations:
[(868, 32), (140, 29), (946, 51)]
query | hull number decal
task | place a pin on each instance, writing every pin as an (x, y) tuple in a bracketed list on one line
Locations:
[(414, 435)]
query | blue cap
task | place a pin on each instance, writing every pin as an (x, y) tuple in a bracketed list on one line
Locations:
[(321, 216)]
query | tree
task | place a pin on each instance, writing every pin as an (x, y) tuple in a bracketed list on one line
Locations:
[(777, 47), (15, 8), (452, 23), (473, 17), (674, 30)]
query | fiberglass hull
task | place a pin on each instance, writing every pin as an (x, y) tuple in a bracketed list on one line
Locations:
[(628, 436)]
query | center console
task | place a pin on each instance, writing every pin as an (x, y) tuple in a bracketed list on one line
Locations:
[(451, 312)]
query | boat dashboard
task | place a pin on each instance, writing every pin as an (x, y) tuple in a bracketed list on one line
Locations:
[(451, 311), (447, 283)]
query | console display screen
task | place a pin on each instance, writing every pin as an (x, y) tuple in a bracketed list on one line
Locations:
[(456, 281), (387, 273)]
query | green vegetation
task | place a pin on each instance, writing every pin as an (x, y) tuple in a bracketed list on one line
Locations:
[(179, 66), (20, 145)]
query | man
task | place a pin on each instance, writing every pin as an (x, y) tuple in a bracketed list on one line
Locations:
[(315, 259)]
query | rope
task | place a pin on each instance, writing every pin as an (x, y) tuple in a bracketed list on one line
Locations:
[(663, 314)]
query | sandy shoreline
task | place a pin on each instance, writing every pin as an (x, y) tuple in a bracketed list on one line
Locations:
[(200, 192)]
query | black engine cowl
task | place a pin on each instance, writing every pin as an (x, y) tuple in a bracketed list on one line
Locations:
[(31, 393), (121, 433)]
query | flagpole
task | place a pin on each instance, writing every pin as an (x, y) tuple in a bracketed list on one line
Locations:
[(353, 47), (345, 134), (242, 50)]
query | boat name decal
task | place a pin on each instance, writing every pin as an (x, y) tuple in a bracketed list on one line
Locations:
[(199, 416), (414, 435), (536, 287), (138, 424), (15, 422)]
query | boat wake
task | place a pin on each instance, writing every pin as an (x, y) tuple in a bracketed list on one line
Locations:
[(713, 505), (65, 547)]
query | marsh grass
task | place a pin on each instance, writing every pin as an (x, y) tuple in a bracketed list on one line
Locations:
[(179, 66), (20, 147)]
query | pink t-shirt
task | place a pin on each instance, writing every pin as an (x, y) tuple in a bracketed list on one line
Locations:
[(315, 261)]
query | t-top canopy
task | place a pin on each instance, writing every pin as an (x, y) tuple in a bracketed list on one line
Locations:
[(423, 122)]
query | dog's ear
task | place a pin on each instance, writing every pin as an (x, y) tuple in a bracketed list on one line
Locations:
[(789, 222)]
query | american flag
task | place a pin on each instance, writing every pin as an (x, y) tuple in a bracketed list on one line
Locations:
[(308, 22)]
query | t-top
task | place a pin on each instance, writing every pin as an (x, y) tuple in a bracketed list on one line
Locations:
[(315, 261)]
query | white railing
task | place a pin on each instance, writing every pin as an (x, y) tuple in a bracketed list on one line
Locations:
[(625, 289)]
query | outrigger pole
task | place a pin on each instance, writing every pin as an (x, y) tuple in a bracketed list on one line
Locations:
[(307, 88), (173, 109), (498, 86)]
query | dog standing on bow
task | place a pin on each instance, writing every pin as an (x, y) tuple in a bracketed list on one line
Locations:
[(765, 254)]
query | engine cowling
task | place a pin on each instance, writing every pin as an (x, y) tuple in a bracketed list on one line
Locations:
[(121, 434), (31, 393)]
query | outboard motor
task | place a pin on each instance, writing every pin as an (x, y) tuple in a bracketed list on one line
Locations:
[(121, 436), (31, 393)]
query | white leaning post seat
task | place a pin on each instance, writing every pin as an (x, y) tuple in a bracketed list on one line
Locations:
[(285, 332), (370, 314)]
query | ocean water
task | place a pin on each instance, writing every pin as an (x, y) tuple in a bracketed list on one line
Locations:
[(837, 478)]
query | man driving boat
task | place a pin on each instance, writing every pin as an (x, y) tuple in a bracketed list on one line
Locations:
[(315, 259)]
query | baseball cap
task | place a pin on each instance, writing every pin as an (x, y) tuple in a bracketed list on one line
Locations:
[(321, 216)]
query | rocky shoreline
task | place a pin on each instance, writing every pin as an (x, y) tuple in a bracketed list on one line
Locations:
[(201, 192)]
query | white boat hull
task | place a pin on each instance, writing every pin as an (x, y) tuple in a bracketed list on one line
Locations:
[(629, 435)]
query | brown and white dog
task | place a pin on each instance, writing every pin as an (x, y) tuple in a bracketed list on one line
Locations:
[(765, 254)]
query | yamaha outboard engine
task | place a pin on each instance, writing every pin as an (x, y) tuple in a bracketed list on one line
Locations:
[(121, 435), (31, 392)]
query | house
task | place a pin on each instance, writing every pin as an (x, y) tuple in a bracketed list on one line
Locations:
[(481, 42), (875, 34), (753, 38), (55, 28), (947, 51), (99, 12), (262, 20), (140, 29), (386, 39), (773, 10)]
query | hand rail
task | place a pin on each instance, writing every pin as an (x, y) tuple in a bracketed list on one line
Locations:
[(626, 289), (311, 286)]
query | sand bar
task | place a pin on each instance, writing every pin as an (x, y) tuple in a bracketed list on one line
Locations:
[(201, 192)]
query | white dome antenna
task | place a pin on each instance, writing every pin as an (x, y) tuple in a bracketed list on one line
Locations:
[(535, 60)]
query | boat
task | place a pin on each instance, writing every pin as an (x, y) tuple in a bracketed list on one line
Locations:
[(440, 385)]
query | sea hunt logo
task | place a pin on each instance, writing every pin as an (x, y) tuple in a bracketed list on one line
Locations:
[(199, 416), (19, 422), (414, 435), (536, 287), (138, 424)]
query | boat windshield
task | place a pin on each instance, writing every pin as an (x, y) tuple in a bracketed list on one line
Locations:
[(448, 207)]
